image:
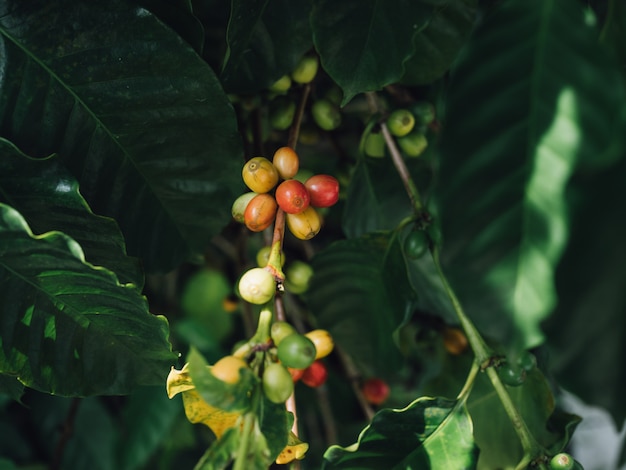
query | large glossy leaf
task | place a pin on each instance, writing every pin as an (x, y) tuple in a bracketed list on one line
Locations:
[(587, 333), (434, 433), (518, 121), (439, 43), (47, 196), (360, 293), (266, 39), (494, 433), (70, 328), (363, 44), (138, 118)]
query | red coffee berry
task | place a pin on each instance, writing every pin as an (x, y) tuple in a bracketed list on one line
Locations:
[(260, 212), (375, 391), (292, 196), (323, 190), (315, 375)]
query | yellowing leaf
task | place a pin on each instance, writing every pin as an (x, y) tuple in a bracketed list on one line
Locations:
[(295, 449), (196, 409)]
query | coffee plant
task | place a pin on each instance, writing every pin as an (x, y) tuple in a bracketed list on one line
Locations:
[(310, 234)]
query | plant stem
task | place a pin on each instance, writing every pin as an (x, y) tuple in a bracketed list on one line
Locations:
[(241, 462), (294, 130)]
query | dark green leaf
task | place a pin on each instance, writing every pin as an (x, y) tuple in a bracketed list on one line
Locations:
[(360, 293), (221, 452), (148, 418), (47, 195), (266, 39), (67, 327), (10, 386), (363, 44), (587, 333), (138, 118), (518, 122), (227, 397), (275, 423), (437, 45), (493, 431), (376, 198), (433, 433)]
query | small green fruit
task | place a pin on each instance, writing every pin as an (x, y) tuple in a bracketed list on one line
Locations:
[(306, 70), (562, 461), (296, 351), (400, 122), (413, 144), (297, 277), (511, 375), (424, 112), (415, 244), (280, 330), (263, 257), (326, 115), (282, 112), (277, 383), (281, 85), (257, 286), (374, 145)]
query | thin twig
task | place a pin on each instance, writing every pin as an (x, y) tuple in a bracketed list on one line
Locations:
[(354, 377), (67, 432), (294, 131)]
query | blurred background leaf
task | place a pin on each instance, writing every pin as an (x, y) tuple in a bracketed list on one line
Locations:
[(136, 116)]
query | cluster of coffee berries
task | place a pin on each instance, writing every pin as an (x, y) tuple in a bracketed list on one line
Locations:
[(408, 126), (273, 186)]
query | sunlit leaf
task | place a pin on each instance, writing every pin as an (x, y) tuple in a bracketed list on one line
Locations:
[(138, 118), (433, 433), (68, 327), (518, 122), (364, 44)]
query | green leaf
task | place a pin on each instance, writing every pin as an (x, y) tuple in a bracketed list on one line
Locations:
[(275, 424), (265, 41), (221, 452), (227, 397), (70, 328), (493, 431), (10, 386), (48, 197), (137, 117), (587, 333), (367, 282), (376, 198), (433, 433), (148, 419), (363, 45), (439, 43), (518, 123)]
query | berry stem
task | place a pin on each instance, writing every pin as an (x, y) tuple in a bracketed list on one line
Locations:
[(294, 131)]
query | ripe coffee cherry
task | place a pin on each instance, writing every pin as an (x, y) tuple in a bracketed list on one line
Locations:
[(257, 286), (375, 391), (277, 383), (323, 342), (416, 244), (287, 162), (227, 369), (259, 175), (260, 212), (296, 374), (323, 190), (304, 225), (454, 340), (306, 70), (292, 196), (296, 351), (297, 277), (413, 144), (326, 115), (315, 375), (562, 461), (280, 330), (401, 122), (240, 204)]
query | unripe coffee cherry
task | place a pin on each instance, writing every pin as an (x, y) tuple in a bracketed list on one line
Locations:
[(375, 391), (374, 145), (282, 112), (296, 351), (416, 244), (280, 330), (297, 277), (277, 383), (281, 85), (413, 144), (286, 162), (326, 115), (227, 369), (562, 461), (304, 225), (240, 204), (257, 286), (315, 375), (323, 342), (292, 196), (511, 375), (323, 190), (263, 257), (400, 122), (259, 175), (306, 70), (260, 212)]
